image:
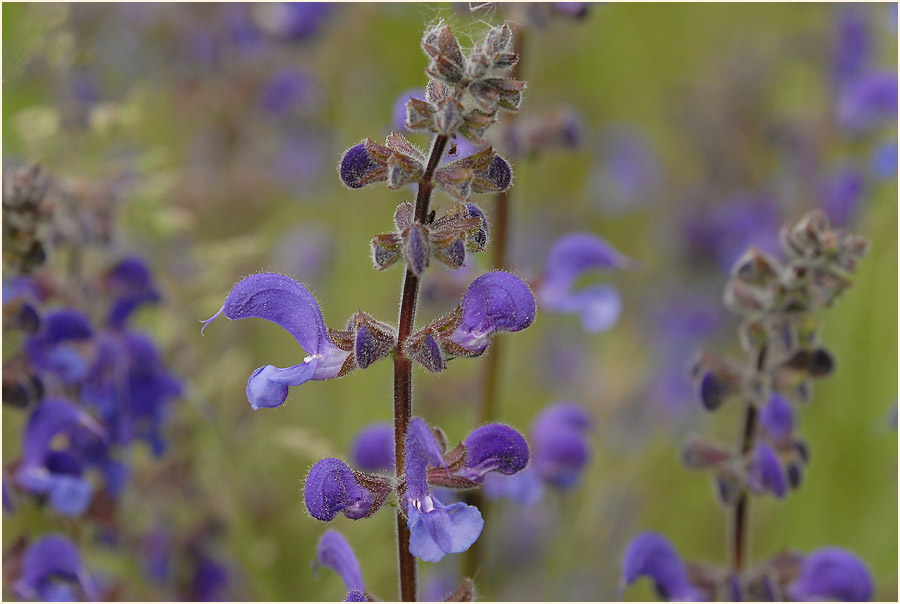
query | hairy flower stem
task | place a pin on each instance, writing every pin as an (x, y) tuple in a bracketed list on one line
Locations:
[(488, 403), (741, 512), (403, 375)]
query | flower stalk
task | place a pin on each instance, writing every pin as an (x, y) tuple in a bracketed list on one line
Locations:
[(403, 374)]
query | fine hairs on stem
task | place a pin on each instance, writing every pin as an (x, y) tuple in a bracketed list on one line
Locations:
[(403, 374)]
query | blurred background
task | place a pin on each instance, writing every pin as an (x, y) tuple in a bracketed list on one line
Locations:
[(203, 139)]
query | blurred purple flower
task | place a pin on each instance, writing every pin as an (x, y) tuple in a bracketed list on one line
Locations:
[(438, 586), (130, 284), (335, 553), (832, 573), (726, 230), (571, 9), (766, 472), (52, 571), (299, 160), (852, 45), (841, 193), (307, 252), (157, 549), (292, 21), (435, 529), (560, 448), (58, 473), (651, 555), (570, 257), (289, 90), (679, 324), (242, 32), (494, 302), (9, 505), (868, 101), (525, 488), (398, 113), (131, 388), (210, 581), (777, 418), (884, 160), (51, 349), (373, 448), (331, 487), (628, 171), (285, 302)]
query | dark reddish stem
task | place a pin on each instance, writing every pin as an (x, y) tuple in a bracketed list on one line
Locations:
[(741, 509), (403, 375)]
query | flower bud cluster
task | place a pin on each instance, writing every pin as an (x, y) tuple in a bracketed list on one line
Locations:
[(25, 211), (467, 92), (781, 339), (399, 162), (447, 239)]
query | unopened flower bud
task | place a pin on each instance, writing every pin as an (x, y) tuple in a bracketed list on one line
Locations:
[(424, 349), (700, 453), (416, 248), (358, 168)]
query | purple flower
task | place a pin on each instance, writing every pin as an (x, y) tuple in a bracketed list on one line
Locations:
[(628, 172), (867, 101), (496, 301), (243, 34), (766, 473), (560, 448), (331, 487), (884, 160), (130, 387), (131, 285), (525, 488), (494, 448), (570, 257), (335, 553), (58, 474), (288, 90), (398, 113), (306, 252), (52, 571), (9, 505), (292, 21), (373, 448), (777, 418), (651, 555), (725, 231), (157, 549), (841, 193), (832, 573), (435, 529), (299, 159), (210, 581), (51, 349), (571, 9), (285, 302), (853, 45)]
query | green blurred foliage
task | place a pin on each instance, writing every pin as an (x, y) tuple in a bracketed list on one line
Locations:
[(627, 63)]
